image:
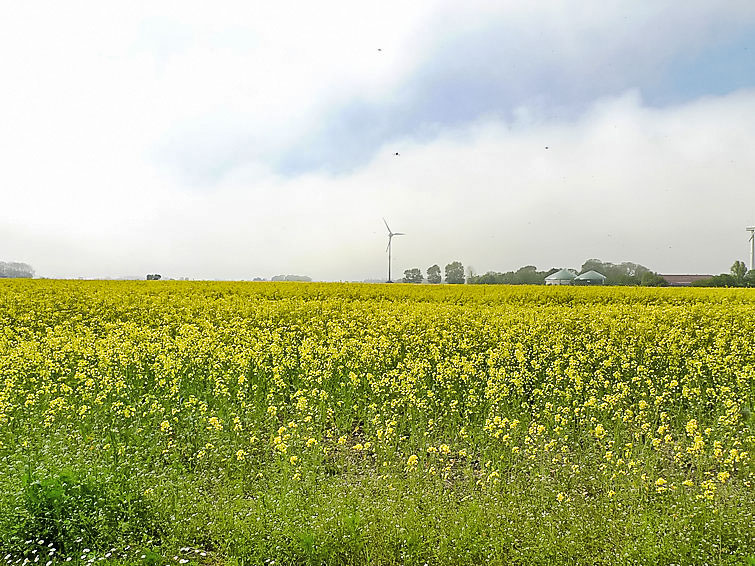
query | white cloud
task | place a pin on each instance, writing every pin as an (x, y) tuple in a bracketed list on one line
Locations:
[(107, 106), (667, 188)]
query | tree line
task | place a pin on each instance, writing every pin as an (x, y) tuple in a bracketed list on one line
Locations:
[(454, 274), (738, 276), (625, 273), (15, 270)]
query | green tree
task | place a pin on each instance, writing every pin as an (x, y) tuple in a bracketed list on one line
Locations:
[(529, 275), (455, 273), (738, 271), (723, 280), (413, 275), (433, 274), (626, 273), (650, 279)]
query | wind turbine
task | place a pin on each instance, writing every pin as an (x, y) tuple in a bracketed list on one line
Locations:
[(751, 230), (388, 249)]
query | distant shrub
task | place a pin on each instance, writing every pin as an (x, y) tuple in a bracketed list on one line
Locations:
[(15, 270)]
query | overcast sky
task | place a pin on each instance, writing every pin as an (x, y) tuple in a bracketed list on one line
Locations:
[(228, 140)]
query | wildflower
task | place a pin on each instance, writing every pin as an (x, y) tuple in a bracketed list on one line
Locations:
[(691, 427), (600, 432)]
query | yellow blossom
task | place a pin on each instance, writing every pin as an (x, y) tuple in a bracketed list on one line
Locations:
[(214, 423), (600, 432)]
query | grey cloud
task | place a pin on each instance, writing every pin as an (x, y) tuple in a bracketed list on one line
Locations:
[(555, 68)]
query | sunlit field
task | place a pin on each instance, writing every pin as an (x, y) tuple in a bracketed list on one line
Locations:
[(167, 423)]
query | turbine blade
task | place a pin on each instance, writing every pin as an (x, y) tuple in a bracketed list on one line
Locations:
[(398, 234), (386, 225), (388, 246)]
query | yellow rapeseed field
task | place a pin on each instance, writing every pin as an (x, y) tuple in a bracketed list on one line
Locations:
[(604, 424)]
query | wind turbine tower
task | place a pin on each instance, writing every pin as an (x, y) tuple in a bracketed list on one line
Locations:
[(751, 230), (388, 249)]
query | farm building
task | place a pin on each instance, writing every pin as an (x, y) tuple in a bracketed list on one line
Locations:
[(590, 278), (684, 280), (563, 277)]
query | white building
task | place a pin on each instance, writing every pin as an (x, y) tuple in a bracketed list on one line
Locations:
[(563, 277)]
